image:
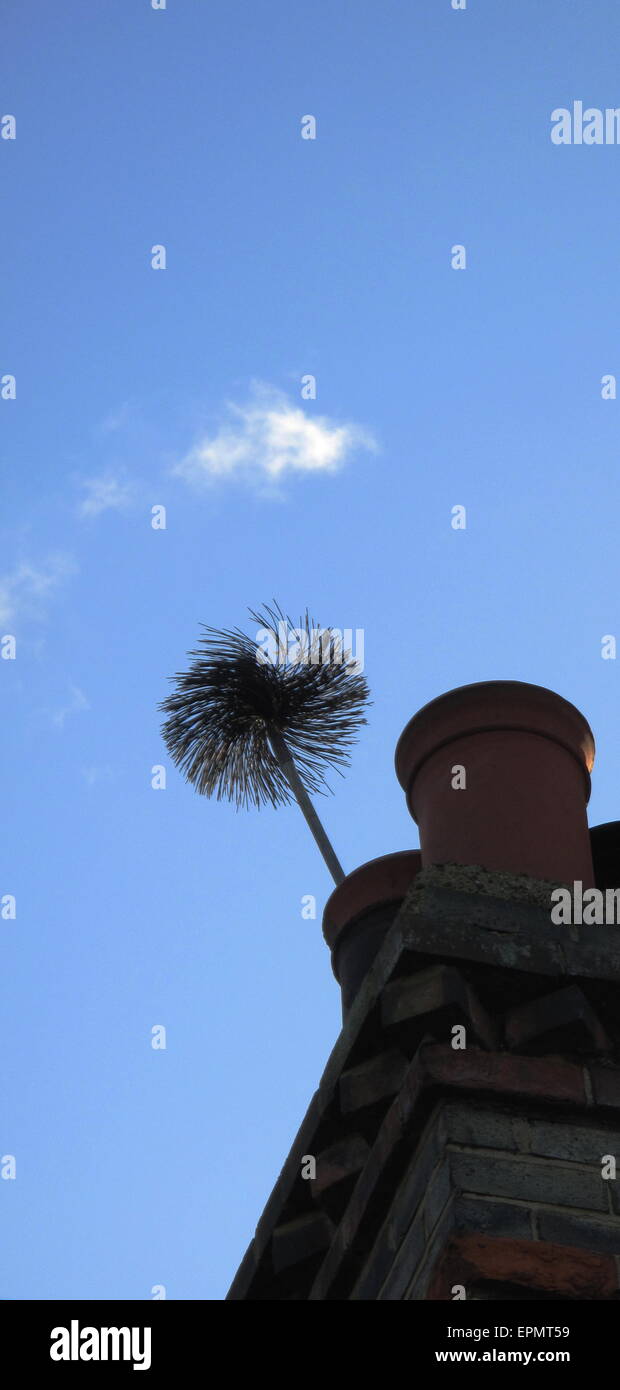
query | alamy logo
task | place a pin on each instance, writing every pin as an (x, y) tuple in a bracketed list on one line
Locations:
[(592, 908), (316, 647), (589, 127), (102, 1344)]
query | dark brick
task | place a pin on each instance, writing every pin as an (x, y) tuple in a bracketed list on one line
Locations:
[(299, 1239), (390, 1136), (528, 1180), (414, 1185), (413, 1189), (328, 1271), (613, 1184), (488, 1129), (408, 1097), (376, 1269), (290, 1175), (565, 1015), (405, 1263), (373, 1081), (341, 1161), (439, 1194), (605, 1085), (417, 1289), (595, 953), (433, 1001), (493, 1218), (602, 1236), (507, 933), (577, 1144), (464, 926)]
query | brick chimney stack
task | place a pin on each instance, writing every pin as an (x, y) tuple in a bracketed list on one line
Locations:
[(459, 1140)]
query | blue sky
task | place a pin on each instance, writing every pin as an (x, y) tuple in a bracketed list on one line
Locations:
[(181, 388)]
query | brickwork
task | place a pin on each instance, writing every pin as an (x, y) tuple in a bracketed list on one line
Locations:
[(485, 1158)]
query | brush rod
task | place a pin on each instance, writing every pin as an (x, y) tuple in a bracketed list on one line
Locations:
[(287, 766)]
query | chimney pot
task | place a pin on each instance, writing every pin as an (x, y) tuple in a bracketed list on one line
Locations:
[(360, 912), (527, 755)]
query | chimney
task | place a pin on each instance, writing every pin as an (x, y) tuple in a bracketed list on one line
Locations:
[(457, 1030), (497, 774)]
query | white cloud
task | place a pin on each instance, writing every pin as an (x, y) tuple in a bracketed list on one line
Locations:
[(268, 438), (25, 589), (103, 494), (77, 701)]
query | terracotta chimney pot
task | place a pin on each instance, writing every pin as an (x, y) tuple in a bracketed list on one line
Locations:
[(526, 755), (360, 912)]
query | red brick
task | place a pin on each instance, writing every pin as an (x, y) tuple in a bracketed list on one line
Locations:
[(551, 1268), (551, 1078)]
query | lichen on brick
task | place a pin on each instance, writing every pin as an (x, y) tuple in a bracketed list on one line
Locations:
[(474, 879)]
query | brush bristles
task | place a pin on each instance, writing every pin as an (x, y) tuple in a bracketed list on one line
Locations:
[(224, 707)]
